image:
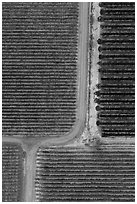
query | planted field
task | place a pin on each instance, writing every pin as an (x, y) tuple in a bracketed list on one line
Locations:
[(40, 72), (75, 174), (12, 172), (68, 101), (116, 96)]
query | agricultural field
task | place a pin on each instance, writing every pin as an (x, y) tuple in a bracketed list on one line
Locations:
[(68, 101)]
